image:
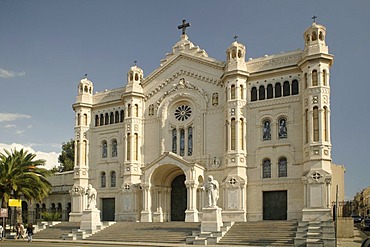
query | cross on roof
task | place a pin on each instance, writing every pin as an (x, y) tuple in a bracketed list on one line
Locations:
[(314, 18), (235, 37), (135, 62), (183, 26)]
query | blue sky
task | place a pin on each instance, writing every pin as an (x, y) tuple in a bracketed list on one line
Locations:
[(47, 46)]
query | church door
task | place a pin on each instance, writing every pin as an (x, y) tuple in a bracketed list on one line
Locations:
[(178, 198), (108, 209), (275, 205)]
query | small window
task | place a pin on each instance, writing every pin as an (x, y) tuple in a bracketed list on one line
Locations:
[(266, 168), (114, 148), (254, 94), (96, 120), (233, 91), (283, 168), (215, 99), (116, 117), (266, 134), (174, 141), (261, 93), (314, 78), (283, 132), (295, 87), (111, 119), (106, 120), (103, 180), (286, 89), (270, 91), (104, 149), (101, 119), (113, 182), (277, 90)]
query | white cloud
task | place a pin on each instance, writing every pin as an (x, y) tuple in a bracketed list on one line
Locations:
[(8, 117), (10, 74), (10, 126), (19, 132), (50, 157)]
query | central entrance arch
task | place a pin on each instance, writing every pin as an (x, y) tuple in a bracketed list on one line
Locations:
[(178, 198)]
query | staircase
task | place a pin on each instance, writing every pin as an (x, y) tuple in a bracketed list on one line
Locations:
[(55, 231), (261, 233), (163, 232)]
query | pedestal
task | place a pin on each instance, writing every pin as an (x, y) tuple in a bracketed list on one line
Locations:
[(316, 214), (211, 220), (90, 220)]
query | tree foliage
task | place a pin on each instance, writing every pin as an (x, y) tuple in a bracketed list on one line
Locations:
[(66, 158), (22, 175)]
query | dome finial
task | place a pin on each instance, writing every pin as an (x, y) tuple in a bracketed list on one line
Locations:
[(235, 37)]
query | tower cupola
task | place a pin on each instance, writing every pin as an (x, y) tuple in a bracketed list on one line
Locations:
[(134, 77), (235, 57), (85, 90), (314, 37)]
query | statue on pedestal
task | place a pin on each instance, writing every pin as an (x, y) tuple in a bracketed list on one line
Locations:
[(212, 189), (91, 197)]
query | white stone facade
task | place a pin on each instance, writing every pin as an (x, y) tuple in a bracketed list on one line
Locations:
[(261, 128)]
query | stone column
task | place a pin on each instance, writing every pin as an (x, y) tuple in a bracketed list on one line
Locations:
[(146, 214), (191, 214)]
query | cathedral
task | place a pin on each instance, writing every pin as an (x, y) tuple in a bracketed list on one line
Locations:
[(260, 127)]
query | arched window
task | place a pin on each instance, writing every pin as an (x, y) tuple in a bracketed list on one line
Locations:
[(182, 142), (101, 119), (241, 92), (324, 77), (122, 116), (136, 146), (241, 134), (111, 119), (283, 167), (113, 182), (190, 141), (254, 94), (174, 141), (136, 110), (233, 91), (233, 137), (314, 36), (104, 150), (103, 180), (266, 168), (314, 78), (286, 88), (114, 148), (261, 92), (96, 120), (85, 119), (128, 146), (321, 36), (295, 87), (270, 91), (325, 125), (277, 90), (283, 132), (315, 124), (129, 110), (78, 119), (266, 133), (106, 122), (116, 117)]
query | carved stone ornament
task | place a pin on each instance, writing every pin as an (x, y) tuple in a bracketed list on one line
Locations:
[(77, 190), (215, 162)]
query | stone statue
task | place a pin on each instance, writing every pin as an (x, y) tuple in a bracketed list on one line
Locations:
[(212, 189), (91, 197)]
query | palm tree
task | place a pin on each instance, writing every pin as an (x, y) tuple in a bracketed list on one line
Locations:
[(21, 175)]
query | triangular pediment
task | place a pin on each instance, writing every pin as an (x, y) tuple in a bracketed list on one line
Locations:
[(171, 158)]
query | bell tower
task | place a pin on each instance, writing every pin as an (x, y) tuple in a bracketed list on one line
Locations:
[(317, 174), (82, 109)]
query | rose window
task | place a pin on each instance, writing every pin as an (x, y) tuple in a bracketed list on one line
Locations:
[(183, 112)]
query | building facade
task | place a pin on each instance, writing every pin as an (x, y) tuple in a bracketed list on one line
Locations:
[(260, 127)]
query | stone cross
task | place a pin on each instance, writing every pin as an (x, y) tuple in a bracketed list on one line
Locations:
[(314, 18), (235, 37), (183, 26)]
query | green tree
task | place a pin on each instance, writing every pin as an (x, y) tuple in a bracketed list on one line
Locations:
[(21, 175), (67, 157)]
